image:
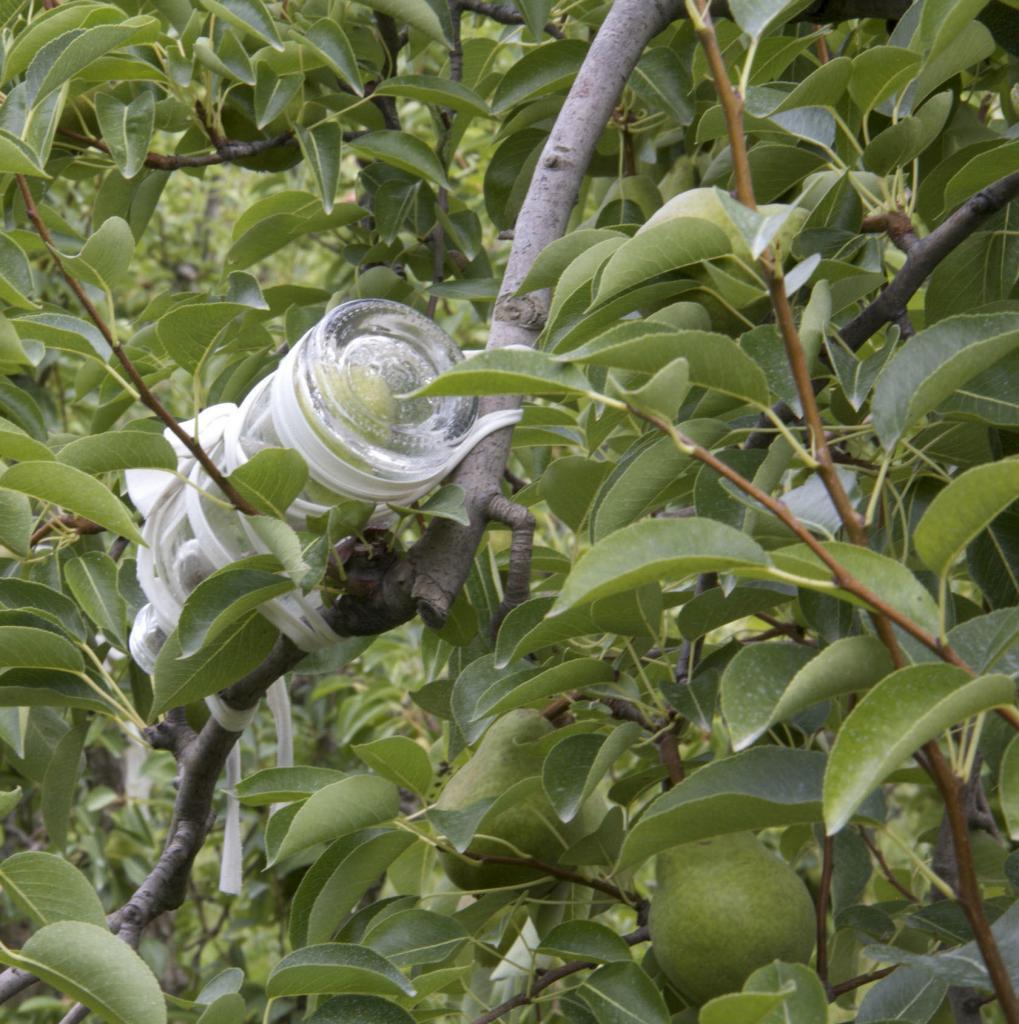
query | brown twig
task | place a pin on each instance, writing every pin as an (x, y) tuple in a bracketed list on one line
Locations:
[(67, 521), (505, 14), (834, 991), (145, 395), (547, 978), (884, 866), (228, 151), (564, 874), (926, 254), (951, 789)]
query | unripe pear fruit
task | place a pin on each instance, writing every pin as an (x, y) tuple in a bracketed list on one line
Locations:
[(508, 753), (704, 204), (723, 908)]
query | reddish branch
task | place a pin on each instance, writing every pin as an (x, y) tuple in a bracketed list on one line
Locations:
[(146, 396), (951, 789)]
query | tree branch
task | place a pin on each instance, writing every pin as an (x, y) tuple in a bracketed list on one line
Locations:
[(228, 151), (504, 14), (924, 255), (951, 789), (442, 559), (550, 978), (145, 395)]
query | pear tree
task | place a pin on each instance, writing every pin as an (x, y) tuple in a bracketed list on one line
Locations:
[(685, 692)]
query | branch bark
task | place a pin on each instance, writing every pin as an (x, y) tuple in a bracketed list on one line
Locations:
[(924, 255), (439, 563)]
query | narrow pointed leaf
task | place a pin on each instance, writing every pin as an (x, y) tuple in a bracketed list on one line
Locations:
[(656, 550), (896, 718)]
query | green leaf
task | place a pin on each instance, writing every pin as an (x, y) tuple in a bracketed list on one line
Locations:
[(550, 67), (897, 717), (336, 967), (558, 255), (340, 808), (332, 886), (47, 888), (510, 692), (399, 759), (69, 333), (808, 1002), (624, 994), (106, 256), (850, 664), (764, 787), (189, 331), (15, 275), (95, 968), (659, 249), (92, 581), (16, 157), (237, 649), (755, 17), (981, 171), (508, 372), (655, 550), (322, 147), (127, 129), (935, 363), (905, 995), (573, 767), (417, 14), (27, 647), (60, 783), (752, 685), (229, 1008), (16, 445), (251, 16), (441, 92), (744, 1008), (74, 491), (273, 92), (585, 940), (879, 573), (1008, 787), (447, 502), (359, 1010), (663, 394), (69, 54), (328, 40), (271, 479), (9, 799), (962, 510), (282, 785), (403, 151), (121, 449), (413, 937), (224, 597), (961, 966)]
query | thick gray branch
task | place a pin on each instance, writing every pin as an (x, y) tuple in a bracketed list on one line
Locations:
[(925, 255), (442, 559)]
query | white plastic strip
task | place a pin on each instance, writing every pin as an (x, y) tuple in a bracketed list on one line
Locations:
[(231, 867), (231, 719)]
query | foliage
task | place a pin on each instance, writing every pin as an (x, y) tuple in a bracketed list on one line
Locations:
[(770, 451)]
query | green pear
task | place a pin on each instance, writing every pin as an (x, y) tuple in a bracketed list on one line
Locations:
[(509, 752), (724, 907)]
